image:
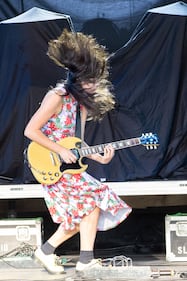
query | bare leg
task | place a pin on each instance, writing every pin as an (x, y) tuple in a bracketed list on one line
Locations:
[(47, 259), (61, 235), (88, 230)]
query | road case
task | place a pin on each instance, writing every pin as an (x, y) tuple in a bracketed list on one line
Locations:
[(176, 237), (16, 232)]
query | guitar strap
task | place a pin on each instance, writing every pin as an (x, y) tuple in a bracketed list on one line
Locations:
[(80, 122)]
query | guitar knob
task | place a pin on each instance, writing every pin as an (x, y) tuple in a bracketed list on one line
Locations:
[(43, 173), (50, 173), (56, 174), (44, 178), (51, 178)]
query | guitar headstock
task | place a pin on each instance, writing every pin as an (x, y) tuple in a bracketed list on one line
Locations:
[(150, 140)]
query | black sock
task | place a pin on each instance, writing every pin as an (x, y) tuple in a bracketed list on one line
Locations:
[(86, 256), (47, 248)]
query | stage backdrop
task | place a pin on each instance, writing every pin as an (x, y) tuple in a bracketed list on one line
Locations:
[(26, 74), (149, 74), (149, 77), (111, 22)]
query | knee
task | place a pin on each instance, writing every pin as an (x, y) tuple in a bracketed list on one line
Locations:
[(93, 216)]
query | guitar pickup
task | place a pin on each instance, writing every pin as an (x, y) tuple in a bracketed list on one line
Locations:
[(52, 159)]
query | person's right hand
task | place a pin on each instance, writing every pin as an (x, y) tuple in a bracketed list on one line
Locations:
[(67, 156)]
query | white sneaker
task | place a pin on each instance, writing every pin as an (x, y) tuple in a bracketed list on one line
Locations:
[(49, 262), (95, 263)]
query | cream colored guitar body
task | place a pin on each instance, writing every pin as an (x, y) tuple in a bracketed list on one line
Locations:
[(47, 167)]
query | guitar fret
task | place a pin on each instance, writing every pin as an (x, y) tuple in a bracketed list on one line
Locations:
[(103, 146), (84, 152), (99, 149), (120, 144), (93, 150), (128, 143), (132, 142), (114, 145)]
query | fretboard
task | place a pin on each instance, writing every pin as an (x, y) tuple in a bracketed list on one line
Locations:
[(116, 145)]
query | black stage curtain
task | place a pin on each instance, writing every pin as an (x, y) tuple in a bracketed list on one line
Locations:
[(149, 77), (149, 74), (26, 74)]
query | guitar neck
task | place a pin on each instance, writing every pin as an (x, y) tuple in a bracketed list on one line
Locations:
[(116, 145)]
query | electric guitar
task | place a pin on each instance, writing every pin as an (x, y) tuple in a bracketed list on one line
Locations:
[(48, 167)]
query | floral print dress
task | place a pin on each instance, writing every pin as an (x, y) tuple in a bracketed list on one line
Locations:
[(75, 196)]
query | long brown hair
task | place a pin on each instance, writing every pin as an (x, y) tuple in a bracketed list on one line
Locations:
[(86, 61)]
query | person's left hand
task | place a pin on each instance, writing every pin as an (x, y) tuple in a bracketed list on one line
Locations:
[(106, 157)]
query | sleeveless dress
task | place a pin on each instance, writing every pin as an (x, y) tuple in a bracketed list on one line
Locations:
[(75, 196)]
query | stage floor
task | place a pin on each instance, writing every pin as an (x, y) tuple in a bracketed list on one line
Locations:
[(144, 267)]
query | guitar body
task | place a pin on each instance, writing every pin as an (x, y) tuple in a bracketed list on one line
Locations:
[(47, 167)]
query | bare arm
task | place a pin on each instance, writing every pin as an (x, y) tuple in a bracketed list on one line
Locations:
[(50, 105)]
